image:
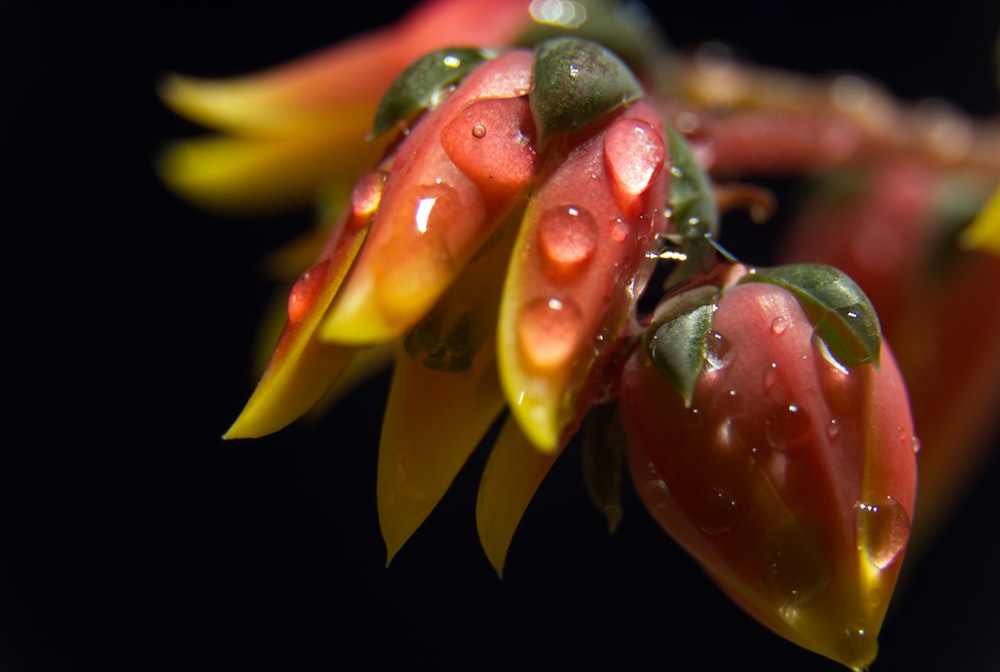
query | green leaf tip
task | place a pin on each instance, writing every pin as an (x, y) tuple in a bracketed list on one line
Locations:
[(577, 82), (676, 340), (421, 84), (844, 317)]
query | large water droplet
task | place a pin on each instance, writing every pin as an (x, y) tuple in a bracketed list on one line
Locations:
[(883, 530), (655, 494), (717, 512), (548, 331), (797, 570), (492, 141), (366, 196), (718, 352), (786, 426), (619, 229), (634, 154), (305, 290), (779, 325), (857, 648), (567, 239)]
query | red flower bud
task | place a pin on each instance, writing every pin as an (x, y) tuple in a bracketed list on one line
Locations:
[(789, 475)]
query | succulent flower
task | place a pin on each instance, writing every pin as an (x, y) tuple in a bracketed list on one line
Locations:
[(501, 242), (500, 198), (768, 432)]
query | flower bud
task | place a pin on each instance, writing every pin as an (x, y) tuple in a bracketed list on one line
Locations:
[(788, 475)]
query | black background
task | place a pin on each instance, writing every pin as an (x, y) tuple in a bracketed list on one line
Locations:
[(132, 537)]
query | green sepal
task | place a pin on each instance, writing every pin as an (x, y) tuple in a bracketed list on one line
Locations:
[(421, 84), (676, 338), (603, 451), (842, 314), (692, 202), (577, 82)]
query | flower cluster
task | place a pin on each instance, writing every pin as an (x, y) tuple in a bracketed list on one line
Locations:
[(526, 228)]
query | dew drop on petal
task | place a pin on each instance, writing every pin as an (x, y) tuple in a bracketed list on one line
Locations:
[(567, 239), (548, 331), (619, 229), (779, 325), (717, 512), (857, 648), (634, 154), (916, 445), (797, 570), (770, 377), (718, 352), (883, 530), (655, 494), (833, 429), (479, 131), (366, 196), (305, 289), (786, 426)]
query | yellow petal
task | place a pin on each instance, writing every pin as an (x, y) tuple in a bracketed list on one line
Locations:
[(984, 232), (299, 97), (433, 422), (257, 107), (302, 367), (513, 473), (240, 176)]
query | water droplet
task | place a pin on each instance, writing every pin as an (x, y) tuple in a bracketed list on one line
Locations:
[(501, 160), (770, 377), (619, 229), (567, 239), (366, 196), (833, 429), (305, 289), (916, 445), (797, 571), (857, 648), (655, 494), (717, 512), (694, 418), (548, 331), (718, 352), (779, 325), (883, 530), (786, 426), (634, 154)]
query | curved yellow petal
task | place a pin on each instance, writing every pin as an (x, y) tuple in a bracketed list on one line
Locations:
[(984, 232), (513, 472), (302, 368), (433, 422), (299, 97), (237, 175)]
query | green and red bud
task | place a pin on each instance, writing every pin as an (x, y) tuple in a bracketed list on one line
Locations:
[(785, 468)]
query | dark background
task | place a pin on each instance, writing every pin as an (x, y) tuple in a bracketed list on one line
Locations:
[(133, 538)]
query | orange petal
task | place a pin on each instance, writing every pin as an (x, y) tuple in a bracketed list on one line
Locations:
[(512, 474), (441, 203), (302, 368), (577, 269)]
